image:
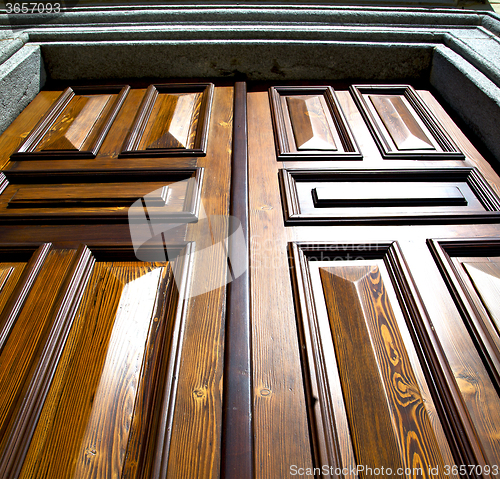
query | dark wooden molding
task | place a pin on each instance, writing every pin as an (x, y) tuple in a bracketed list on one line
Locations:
[(441, 146), (325, 214), (27, 149), (439, 376), (91, 207), (470, 306), (237, 434), (286, 148), (35, 256), (134, 137), (64, 312)]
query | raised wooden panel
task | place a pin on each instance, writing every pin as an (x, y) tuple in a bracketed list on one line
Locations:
[(170, 195), (76, 124), (402, 125), (471, 269), (309, 124), (31, 349), (19, 267), (105, 343), (364, 333), (172, 120), (387, 196)]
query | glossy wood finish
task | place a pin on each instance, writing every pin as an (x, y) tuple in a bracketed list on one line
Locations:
[(470, 268), (401, 124), (76, 125), (376, 373), (309, 124), (387, 196), (99, 373), (237, 433), (176, 392), (172, 120), (97, 196), (280, 420), (411, 194)]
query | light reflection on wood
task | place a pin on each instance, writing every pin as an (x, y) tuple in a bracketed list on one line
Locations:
[(309, 123), (378, 380), (97, 380), (400, 123), (486, 279), (175, 120), (75, 124)]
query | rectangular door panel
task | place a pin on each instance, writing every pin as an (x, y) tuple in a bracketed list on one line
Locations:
[(76, 125), (113, 361), (172, 120), (358, 335), (471, 269), (330, 197), (168, 194), (402, 125), (309, 124)]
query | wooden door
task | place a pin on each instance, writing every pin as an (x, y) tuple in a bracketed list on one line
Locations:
[(363, 340), (99, 320), (374, 271)]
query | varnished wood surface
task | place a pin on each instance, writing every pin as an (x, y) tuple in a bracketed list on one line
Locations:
[(282, 412), (9, 277), (25, 342), (310, 127), (280, 418), (173, 122), (98, 375), (195, 445), (75, 123), (237, 430), (310, 124), (376, 374), (486, 278), (400, 123)]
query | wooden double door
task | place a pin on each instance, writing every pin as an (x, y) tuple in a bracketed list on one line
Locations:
[(202, 280)]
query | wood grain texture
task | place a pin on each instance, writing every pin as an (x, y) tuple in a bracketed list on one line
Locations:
[(27, 339), (98, 374), (102, 196), (485, 276), (62, 315), (195, 444), (376, 374), (309, 124), (18, 130), (172, 120), (82, 196), (9, 278), (402, 125), (76, 124), (282, 435), (73, 126), (301, 205), (472, 282), (237, 431)]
